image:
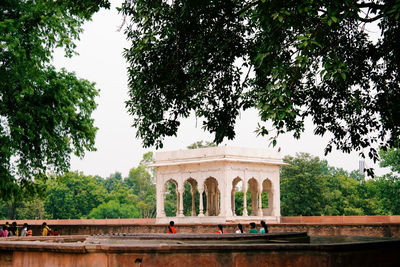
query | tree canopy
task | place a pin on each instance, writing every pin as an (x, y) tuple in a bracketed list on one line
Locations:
[(303, 185), (288, 59), (45, 114), (390, 158), (309, 186), (201, 144)]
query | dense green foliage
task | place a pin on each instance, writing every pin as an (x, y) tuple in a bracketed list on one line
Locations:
[(390, 157), (73, 195), (309, 187), (288, 59), (45, 114), (239, 202), (113, 210), (303, 185), (170, 200)]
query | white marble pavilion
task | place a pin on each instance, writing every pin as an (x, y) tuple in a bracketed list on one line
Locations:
[(218, 172)]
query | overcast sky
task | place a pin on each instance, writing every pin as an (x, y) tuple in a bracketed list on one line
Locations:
[(100, 60)]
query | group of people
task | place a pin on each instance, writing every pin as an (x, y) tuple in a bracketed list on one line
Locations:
[(47, 231), (253, 229), (12, 230)]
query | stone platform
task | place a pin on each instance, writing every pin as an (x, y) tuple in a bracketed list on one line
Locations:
[(283, 249)]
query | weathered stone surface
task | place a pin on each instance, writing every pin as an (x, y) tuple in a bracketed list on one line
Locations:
[(315, 229), (6, 258), (345, 251)]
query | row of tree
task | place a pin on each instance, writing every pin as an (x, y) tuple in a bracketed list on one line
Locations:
[(309, 187), (75, 195), (302, 59)]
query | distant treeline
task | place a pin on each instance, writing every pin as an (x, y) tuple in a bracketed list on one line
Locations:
[(309, 187)]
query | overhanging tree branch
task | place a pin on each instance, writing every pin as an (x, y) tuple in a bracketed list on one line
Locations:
[(367, 20), (370, 5), (244, 9)]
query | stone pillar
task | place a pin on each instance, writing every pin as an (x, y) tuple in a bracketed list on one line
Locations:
[(244, 188), (260, 212), (233, 202), (245, 199), (201, 190), (270, 202), (159, 196), (276, 198), (181, 190), (193, 191), (208, 202), (162, 203), (177, 201), (254, 203), (219, 208), (227, 200)]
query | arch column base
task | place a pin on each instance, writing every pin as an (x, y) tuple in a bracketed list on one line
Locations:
[(245, 214)]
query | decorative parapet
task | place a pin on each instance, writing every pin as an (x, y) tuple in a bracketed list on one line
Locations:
[(218, 154)]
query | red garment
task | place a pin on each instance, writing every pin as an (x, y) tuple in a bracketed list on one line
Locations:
[(3, 233), (219, 232), (172, 229)]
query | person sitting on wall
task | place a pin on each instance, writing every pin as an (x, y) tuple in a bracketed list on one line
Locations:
[(29, 232), (24, 229), (56, 232), (221, 229), (240, 229), (45, 229), (264, 228), (171, 229), (4, 231), (253, 229), (13, 230)]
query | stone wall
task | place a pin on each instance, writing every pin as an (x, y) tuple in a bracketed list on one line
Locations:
[(202, 250), (386, 256), (341, 219), (379, 230), (380, 226)]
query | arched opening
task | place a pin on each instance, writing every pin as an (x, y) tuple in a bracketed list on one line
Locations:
[(237, 197), (171, 198), (213, 196), (267, 197), (191, 198), (252, 198)]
